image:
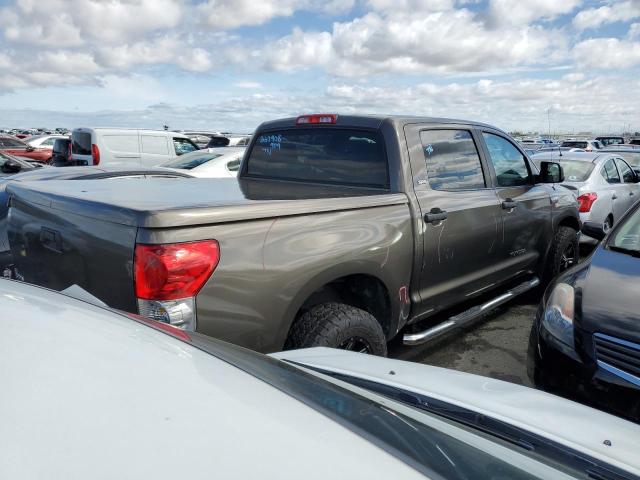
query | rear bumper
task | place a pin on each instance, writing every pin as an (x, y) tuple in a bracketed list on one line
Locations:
[(557, 368)]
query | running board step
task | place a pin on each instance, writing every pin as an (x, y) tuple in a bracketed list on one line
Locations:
[(468, 316)]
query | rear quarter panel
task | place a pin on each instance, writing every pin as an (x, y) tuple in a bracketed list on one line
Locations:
[(268, 268)]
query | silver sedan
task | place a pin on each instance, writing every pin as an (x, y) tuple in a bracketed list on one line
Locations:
[(604, 183)]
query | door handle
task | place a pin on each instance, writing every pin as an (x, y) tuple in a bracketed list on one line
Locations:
[(509, 204), (435, 215)]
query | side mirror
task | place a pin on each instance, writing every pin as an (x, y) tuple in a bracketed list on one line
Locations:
[(551, 172), (30, 148), (594, 230), (11, 167)]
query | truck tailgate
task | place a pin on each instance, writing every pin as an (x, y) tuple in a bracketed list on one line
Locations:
[(58, 248)]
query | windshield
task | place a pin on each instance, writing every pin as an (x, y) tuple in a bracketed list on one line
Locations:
[(627, 235), (322, 155), (576, 170), (191, 160)]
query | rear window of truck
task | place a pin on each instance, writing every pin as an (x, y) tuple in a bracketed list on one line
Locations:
[(81, 143), (321, 155)]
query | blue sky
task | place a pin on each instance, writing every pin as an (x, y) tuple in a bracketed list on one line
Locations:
[(230, 64)]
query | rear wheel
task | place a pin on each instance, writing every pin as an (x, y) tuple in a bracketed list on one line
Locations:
[(337, 325), (564, 252)]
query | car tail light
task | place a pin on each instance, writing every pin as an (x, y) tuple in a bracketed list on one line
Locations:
[(168, 276), (586, 201), (95, 153), (316, 119)]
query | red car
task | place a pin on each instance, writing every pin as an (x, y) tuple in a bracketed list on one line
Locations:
[(15, 146)]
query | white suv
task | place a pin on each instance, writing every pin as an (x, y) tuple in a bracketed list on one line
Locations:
[(120, 146)]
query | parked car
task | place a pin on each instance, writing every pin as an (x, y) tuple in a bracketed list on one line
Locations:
[(92, 393), (630, 153), (199, 137), (610, 140), (238, 140), (15, 146), (333, 234), (31, 174), (209, 162), (634, 141), (10, 165), (43, 141), (127, 147), (586, 338), (61, 153), (605, 185), (586, 145)]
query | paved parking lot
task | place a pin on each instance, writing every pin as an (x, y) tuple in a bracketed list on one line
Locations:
[(494, 347)]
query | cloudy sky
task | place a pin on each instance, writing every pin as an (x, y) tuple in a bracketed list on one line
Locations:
[(230, 64)]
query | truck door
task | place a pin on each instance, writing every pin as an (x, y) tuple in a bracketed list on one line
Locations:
[(461, 215), (525, 206)]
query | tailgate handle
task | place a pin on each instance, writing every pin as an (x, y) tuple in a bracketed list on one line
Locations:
[(435, 215), (51, 239)]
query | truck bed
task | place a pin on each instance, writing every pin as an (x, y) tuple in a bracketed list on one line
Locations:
[(161, 202)]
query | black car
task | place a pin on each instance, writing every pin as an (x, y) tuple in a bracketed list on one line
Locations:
[(10, 165), (585, 341)]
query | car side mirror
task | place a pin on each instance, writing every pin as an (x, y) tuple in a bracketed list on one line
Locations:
[(11, 167), (594, 230), (30, 148), (551, 172)]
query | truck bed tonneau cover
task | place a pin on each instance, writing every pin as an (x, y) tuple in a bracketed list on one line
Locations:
[(171, 202)]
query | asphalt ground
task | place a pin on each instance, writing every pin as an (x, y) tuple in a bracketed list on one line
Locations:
[(495, 346)]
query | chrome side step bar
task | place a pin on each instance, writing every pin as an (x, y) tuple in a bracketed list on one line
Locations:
[(467, 317)]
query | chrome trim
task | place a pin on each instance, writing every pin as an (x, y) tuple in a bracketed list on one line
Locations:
[(467, 317), (619, 341), (619, 373)]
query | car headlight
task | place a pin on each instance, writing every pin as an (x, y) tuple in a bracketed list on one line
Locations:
[(558, 313)]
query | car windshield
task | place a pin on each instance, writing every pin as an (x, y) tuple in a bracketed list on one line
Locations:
[(576, 170), (191, 160), (626, 237)]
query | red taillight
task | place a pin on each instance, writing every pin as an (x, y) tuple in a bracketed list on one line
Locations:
[(586, 201), (316, 119), (95, 153), (172, 271)]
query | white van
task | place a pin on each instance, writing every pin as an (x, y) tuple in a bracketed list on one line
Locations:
[(123, 146)]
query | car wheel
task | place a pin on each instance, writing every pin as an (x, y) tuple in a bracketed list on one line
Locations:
[(337, 325), (607, 224), (564, 253)]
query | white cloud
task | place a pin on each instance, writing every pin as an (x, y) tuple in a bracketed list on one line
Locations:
[(230, 14), (613, 11), (248, 84), (518, 12), (450, 42), (607, 53)]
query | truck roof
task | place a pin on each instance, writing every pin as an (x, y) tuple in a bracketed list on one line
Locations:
[(375, 121)]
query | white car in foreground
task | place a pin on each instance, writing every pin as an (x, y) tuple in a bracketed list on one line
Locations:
[(221, 162), (91, 393)]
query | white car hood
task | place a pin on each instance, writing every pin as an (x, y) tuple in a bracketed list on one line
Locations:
[(571, 424)]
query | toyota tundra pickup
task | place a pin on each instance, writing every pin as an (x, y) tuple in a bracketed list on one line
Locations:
[(339, 231)]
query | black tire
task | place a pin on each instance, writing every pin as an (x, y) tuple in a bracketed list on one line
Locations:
[(564, 253), (337, 325)]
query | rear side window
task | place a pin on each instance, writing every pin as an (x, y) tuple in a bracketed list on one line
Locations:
[(11, 143), (154, 144), (574, 144), (81, 143), (323, 155), (610, 173), (122, 143), (510, 165), (625, 171), (191, 160), (452, 160)]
